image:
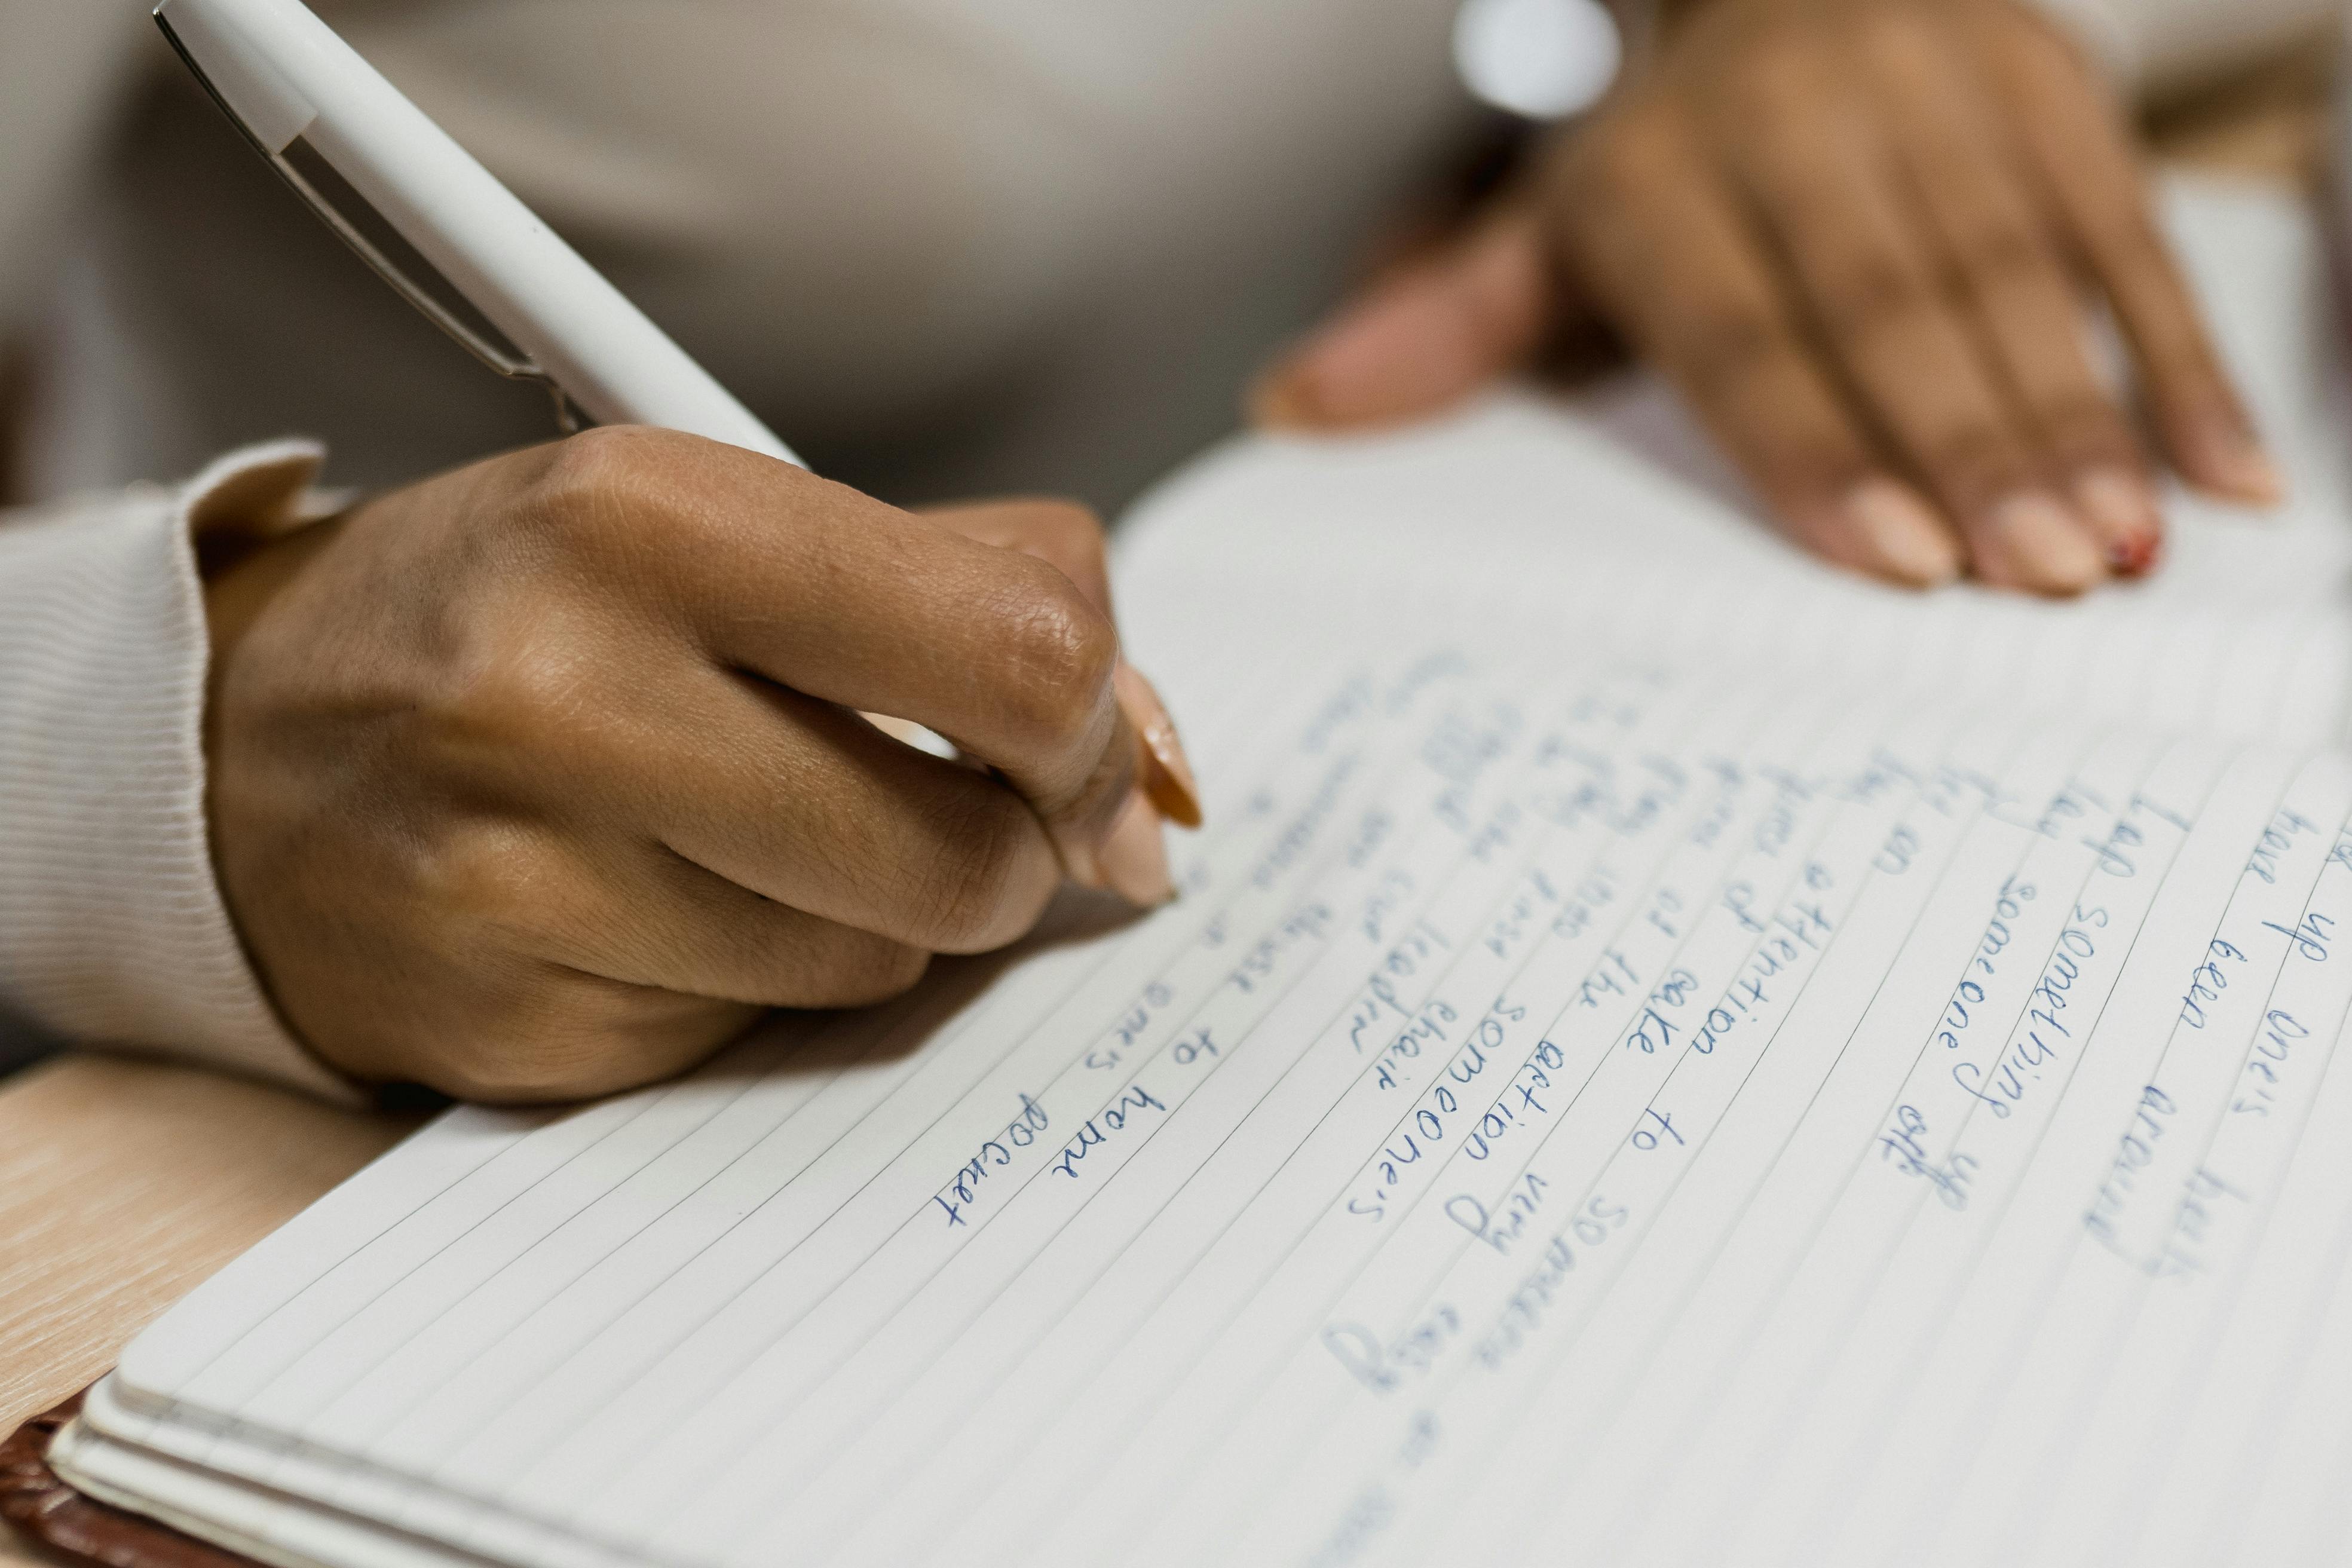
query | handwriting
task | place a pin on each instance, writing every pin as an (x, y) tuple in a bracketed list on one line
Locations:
[(994, 1155), (1524, 1310), (1376, 829), (1427, 1028), (1895, 857), (2115, 851), (1653, 1030), (2281, 1030), (1519, 1097), (2192, 1219), (1291, 845), (1526, 914), (1193, 1047), (1099, 1128), (1592, 895), (1395, 888), (1380, 1366), (1502, 1228), (1646, 1137), (1904, 1145), (2136, 1148), (2310, 935), (1800, 929), (1130, 1026), (1612, 977), (1381, 999), (2274, 842), (2208, 980), (1434, 1116), (2019, 1067), (1971, 992), (1310, 923)]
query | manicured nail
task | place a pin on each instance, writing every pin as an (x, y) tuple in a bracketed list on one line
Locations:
[(2227, 458), (2121, 510), (1163, 771), (1278, 401), (1132, 861), (1903, 539), (2036, 544)]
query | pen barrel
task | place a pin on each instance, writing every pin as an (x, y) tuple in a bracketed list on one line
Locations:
[(607, 355)]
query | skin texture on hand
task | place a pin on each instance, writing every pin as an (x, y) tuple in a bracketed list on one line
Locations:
[(1859, 236), (544, 777)]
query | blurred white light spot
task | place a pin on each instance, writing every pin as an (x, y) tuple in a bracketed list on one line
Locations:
[(1540, 58)]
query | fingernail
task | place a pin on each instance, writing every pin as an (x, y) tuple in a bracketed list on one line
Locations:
[(1282, 399), (2232, 460), (1132, 861), (2036, 544), (2121, 510), (1164, 772), (1905, 541)]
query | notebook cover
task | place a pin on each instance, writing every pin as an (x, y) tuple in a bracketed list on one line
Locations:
[(60, 1524)]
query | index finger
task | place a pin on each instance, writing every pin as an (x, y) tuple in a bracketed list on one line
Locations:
[(1067, 536), (2083, 160), (1063, 534), (839, 597), (1647, 222)]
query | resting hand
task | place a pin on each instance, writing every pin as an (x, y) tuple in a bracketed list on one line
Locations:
[(1851, 232), (541, 778)]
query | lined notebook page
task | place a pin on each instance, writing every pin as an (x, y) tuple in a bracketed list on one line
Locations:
[(1602, 1106), (1652, 1055)]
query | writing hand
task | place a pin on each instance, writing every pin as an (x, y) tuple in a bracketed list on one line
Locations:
[(1853, 232), (541, 778)]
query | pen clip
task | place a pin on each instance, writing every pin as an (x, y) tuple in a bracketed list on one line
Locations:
[(498, 355)]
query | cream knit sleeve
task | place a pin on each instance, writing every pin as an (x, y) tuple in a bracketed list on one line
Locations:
[(112, 927), (2151, 45)]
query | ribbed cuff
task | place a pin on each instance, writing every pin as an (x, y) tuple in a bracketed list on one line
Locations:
[(2104, 35), (112, 927)]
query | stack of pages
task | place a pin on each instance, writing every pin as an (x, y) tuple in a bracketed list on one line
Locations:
[(1665, 1054)]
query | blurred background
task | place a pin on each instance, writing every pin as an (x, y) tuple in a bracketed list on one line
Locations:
[(945, 249)]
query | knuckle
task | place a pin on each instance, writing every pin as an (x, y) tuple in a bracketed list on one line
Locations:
[(1976, 462), (2125, 231), (571, 1036), (594, 485), (961, 902), (481, 877), (2000, 256), (1066, 533), (1058, 653), (533, 1047), (1633, 152), (516, 697), (1723, 352), (1070, 522), (516, 1075), (1777, 63), (605, 457), (1873, 295), (1901, 38), (2037, 41), (866, 969), (2080, 427), (1777, 78), (1808, 467)]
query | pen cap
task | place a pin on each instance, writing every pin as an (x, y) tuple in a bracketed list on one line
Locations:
[(286, 74), (255, 91)]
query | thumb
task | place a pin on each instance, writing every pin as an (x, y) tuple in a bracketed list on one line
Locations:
[(1421, 337)]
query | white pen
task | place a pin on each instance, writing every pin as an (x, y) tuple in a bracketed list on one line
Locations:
[(322, 115), (300, 92)]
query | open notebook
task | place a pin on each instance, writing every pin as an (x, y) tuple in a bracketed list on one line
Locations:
[(1665, 1054)]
